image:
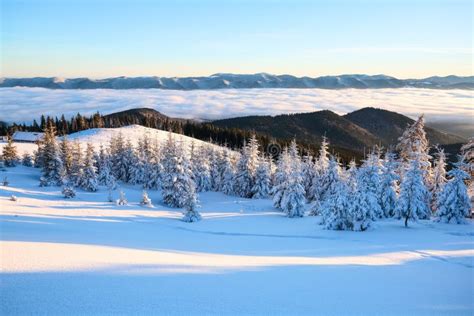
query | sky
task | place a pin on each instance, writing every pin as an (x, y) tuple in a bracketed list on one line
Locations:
[(106, 38)]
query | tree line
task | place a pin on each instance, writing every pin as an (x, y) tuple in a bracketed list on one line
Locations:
[(408, 184)]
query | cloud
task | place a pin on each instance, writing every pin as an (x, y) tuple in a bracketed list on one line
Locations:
[(26, 104)]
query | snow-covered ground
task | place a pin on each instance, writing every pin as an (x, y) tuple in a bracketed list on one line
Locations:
[(88, 256), (98, 136)]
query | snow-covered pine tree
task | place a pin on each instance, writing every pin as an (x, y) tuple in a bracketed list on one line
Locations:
[(66, 155), (27, 160), (118, 157), (75, 171), (146, 201), (414, 139), (360, 212), (153, 167), (177, 181), (262, 186), (467, 152), (327, 182), (439, 177), (136, 167), (38, 155), (122, 199), (191, 213), (308, 171), (387, 192), (105, 176), (321, 168), (281, 178), (201, 169), (453, 202), (129, 158), (88, 180), (228, 173), (246, 167), (212, 155), (369, 182), (293, 199), (413, 202), (68, 191), (53, 170), (351, 176), (337, 208), (9, 154)]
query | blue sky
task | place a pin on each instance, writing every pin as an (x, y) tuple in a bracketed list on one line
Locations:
[(105, 38)]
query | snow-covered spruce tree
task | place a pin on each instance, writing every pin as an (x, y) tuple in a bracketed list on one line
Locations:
[(105, 176), (27, 160), (439, 177), (413, 202), (453, 202), (228, 173), (136, 167), (387, 192), (177, 181), (75, 171), (281, 178), (201, 168), (66, 155), (262, 186), (321, 168), (308, 171), (244, 179), (122, 199), (68, 191), (467, 152), (118, 157), (327, 187), (369, 182), (360, 213), (293, 200), (351, 176), (9, 154), (129, 159), (152, 167), (88, 180), (191, 213), (414, 139), (53, 170), (38, 155), (337, 208), (146, 201), (214, 157)]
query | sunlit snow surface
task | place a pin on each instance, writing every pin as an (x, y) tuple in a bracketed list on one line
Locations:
[(19, 104), (88, 256)]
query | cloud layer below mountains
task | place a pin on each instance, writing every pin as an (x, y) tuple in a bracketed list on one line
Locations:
[(442, 107)]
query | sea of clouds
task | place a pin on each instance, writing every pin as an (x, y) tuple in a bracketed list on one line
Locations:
[(452, 109)]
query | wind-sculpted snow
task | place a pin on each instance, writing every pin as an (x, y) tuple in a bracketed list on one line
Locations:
[(26, 104)]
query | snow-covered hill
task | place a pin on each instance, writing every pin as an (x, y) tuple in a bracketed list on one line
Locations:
[(98, 136)]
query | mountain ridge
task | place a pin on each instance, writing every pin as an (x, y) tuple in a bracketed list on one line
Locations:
[(244, 81)]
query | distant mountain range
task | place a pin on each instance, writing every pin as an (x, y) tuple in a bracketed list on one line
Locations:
[(236, 81)]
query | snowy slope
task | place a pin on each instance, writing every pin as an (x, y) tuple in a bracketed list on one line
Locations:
[(98, 136), (87, 256)]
